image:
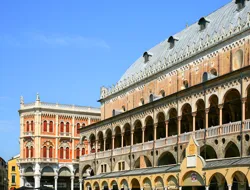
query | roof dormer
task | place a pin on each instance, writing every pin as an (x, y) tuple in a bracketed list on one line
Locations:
[(171, 41), (203, 23), (240, 4), (147, 56)]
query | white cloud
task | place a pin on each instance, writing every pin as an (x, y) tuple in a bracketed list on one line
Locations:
[(55, 40)]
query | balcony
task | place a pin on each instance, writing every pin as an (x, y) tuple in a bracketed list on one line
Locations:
[(212, 132), (26, 160), (65, 135), (48, 160), (28, 134)]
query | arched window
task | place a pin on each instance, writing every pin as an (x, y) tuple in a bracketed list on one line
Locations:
[(83, 125), (142, 101), (31, 151), (61, 127), (185, 84), (45, 126), (32, 126), (123, 108), (51, 126), (214, 72), (163, 94), (27, 152), (113, 113), (77, 153), (50, 152), (67, 153), (83, 151), (67, 127), (78, 128), (205, 77), (27, 126), (151, 98), (45, 152), (61, 152)]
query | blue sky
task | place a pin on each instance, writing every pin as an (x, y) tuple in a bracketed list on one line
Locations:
[(67, 50)]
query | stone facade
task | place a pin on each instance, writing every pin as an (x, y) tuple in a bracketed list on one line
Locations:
[(49, 143), (199, 95)]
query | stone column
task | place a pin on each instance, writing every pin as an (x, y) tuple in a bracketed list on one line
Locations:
[(166, 123), (180, 188), (194, 115), (165, 188), (96, 145), (206, 111), (220, 107), (113, 142), (243, 112), (72, 182), (132, 137), (57, 139), (56, 178), (179, 125), (207, 187), (143, 134), (37, 181), (229, 187), (22, 181), (155, 132), (104, 144), (122, 140), (80, 184)]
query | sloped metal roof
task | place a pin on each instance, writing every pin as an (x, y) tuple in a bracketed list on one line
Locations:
[(224, 19), (232, 162)]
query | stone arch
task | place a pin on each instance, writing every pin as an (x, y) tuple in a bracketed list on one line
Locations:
[(118, 137), (96, 186), (232, 106), (29, 171), (88, 185), (87, 171), (142, 162), (172, 122), (127, 135), (166, 158), (238, 60), (137, 132), (200, 114), (47, 171), (64, 171), (92, 140), (124, 184), (149, 129), (105, 185), (239, 180), (172, 182), (207, 152), (213, 72), (135, 184), (231, 150), (187, 179), (76, 172), (161, 125), (147, 185), (114, 185), (159, 183), (214, 112), (108, 135), (186, 118), (83, 138), (100, 138), (217, 180)]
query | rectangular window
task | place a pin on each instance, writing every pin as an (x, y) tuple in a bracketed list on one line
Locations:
[(13, 168), (105, 168), (119, 166), (13, 179), (123, 165), (101, 168)]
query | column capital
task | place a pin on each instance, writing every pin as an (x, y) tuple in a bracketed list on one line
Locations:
[(207, 110), (143, 128), (80, 180), (56, 177), (179, 118), (166, 122), (72, 177), (113, 136), (155, 125), (220, 106), (243, 100), (194, 114)]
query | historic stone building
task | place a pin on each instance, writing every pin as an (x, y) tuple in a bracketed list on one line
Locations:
[(13, 173), (49, 143), (179, 118)]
